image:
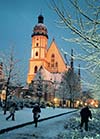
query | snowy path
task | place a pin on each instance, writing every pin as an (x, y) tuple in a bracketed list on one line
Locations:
[(25, 115), (48, 129)]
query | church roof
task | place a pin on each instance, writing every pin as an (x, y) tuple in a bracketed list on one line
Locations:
[(54, 46)]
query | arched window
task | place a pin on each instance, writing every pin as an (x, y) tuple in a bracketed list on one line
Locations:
[(52, 65), (37, 44), (36, 54), (48, 64), (35, 69), (52, 56), (52, 60), (56, 64)]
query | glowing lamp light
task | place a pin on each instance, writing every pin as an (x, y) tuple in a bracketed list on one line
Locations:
[(85, 104), (55, 99), (96, 105), (77, 102), (3, 95)]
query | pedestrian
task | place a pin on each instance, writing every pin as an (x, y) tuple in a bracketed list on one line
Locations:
[(36, 113), (85, 114), (12, 112)]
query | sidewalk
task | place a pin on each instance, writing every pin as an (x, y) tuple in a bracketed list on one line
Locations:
[(24, 117)]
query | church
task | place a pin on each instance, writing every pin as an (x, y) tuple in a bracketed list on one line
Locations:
[(49, 58)]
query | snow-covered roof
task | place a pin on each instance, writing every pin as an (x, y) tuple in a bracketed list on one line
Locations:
[(46, 75)]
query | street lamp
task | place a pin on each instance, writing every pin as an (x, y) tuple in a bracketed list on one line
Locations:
[(63, 97), (54, 88), (39, 89)]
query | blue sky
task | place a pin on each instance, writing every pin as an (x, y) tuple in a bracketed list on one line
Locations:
[(17, 19)]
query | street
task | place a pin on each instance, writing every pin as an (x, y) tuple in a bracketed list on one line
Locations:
[(48, 129)]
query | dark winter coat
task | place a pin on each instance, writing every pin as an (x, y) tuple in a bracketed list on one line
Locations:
[(36, 109), (85, 114)]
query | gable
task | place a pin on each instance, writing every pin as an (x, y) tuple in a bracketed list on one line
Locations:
[(53, 54)]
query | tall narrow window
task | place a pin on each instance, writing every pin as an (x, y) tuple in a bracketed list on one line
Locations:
[(35, 69), (56, 64), (36, 53), (48, 64), (52, 61), (37, 44)]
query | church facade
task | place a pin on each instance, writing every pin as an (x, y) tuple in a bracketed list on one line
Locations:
[(49, 58)]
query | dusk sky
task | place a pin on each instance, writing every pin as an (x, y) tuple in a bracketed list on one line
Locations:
[(17, 19)]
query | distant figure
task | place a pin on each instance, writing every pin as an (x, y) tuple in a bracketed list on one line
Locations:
[(12, 112), (85, 115), (36, 110)]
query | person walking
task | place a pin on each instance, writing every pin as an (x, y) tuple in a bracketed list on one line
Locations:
[(36, 110), (12, 112), (85, 114)]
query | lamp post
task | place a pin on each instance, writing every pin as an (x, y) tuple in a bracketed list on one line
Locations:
[(45, 91), (71, 95), (39, 89), (54, 89), (63, 98)]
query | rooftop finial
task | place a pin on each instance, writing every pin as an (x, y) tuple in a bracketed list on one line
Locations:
[(40, 19)]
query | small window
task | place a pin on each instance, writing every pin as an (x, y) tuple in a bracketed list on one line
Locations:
[(35, 69), (36, 53), (37, 44), (52, 60), (52, 55), (56, 64), (48, 64), (52, 65)]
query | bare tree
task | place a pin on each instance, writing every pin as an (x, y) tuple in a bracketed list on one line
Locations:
[(84, 25), (71, 87), (11, 72)]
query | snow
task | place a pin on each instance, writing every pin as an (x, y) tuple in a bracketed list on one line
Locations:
[(73, 129), (48, 129), (25, 115), (48, 75), (63, 127)]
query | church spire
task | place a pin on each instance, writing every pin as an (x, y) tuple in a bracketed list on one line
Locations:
[(40, 19)]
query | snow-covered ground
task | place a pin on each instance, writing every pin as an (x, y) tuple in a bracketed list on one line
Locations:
[(48, 129), (25, 115), (73, 129), (63, 127)]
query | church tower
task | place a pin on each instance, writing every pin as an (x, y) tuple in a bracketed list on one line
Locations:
[(49, 58), (39, 48)]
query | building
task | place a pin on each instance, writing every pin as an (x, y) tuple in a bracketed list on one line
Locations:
[(49, 58), (46, 65)]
